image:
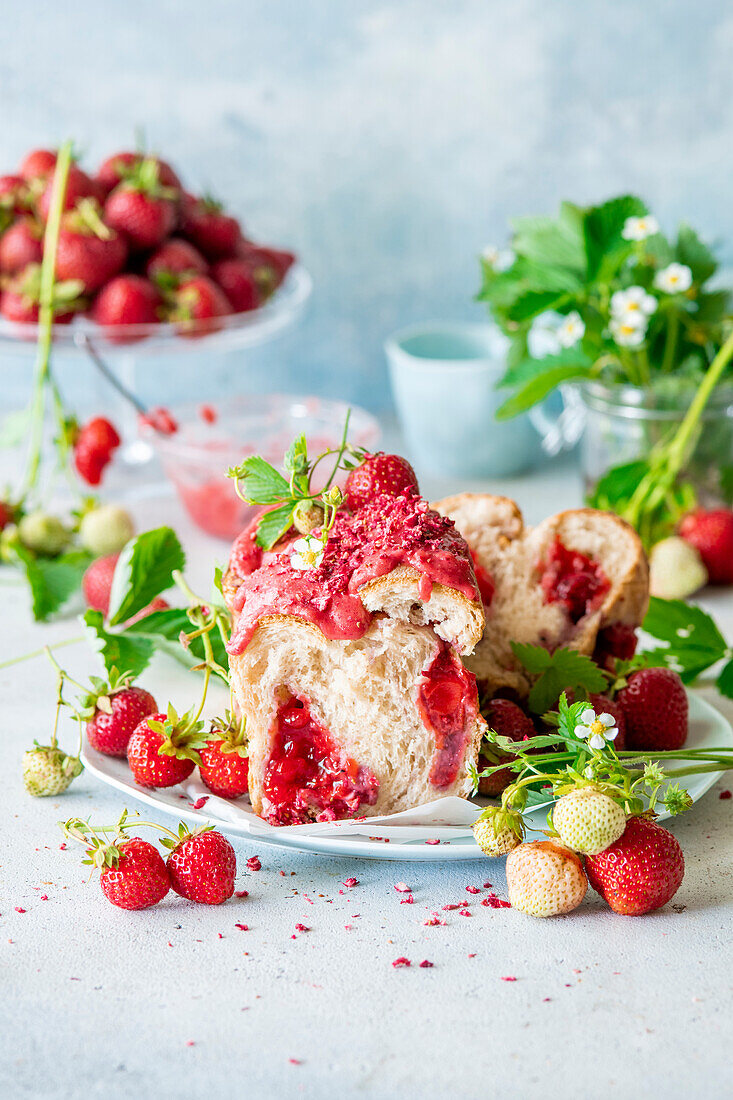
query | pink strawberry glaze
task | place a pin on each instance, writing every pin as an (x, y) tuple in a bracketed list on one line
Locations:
[(308, 775), (387, 532), (448, 703)]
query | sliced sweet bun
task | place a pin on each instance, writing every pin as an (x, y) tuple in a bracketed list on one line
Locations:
[(400, 594), (519, 611), (366, 695)]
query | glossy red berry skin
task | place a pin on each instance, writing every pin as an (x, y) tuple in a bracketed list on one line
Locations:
[(655, 706), (508, 720), (140, 878), (111, 733), (96, 584), (379, 473), (149, 768), (93, 449), (641, 871), (226, 774), (203, 868)]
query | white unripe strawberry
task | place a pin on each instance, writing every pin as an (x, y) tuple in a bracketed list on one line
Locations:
[(545, 878), (105, 530), (588, 821), (676, 569), (497, 831), (48, 771)]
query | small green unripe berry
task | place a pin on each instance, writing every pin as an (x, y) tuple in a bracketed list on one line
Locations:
[(105, 530), (47, 771), (307, 517), (43, 534)]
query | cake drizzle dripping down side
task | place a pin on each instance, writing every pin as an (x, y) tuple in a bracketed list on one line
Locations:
[(448, 703)]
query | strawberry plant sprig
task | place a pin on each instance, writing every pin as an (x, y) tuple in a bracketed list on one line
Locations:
[(47, 769), (293, 501)]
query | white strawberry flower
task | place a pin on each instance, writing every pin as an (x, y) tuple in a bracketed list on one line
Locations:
[(628, 331), (307, 553), (571, 331), (542, 337), (596, 729), (638, 229), (673, 279), (633, 301), (499, 259)]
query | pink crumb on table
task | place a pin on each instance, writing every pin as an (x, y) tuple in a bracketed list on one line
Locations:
[(253, 863), (408, 899), (241, 893), (402, 888), (302, 928), (509, 978), (351, 882), (401, 961), (200, 802), (425, 963), (724, 794), (473, 890), (433, 840), (242, 927)]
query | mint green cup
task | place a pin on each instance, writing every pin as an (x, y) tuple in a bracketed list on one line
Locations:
[(443, 379)]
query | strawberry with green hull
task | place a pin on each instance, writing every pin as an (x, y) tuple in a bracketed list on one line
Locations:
[(21, 299), (376, 474), (127, 300), (162, 751), (711, 534), (224, 766), (78, 186), (20, 245), (142, 208), (269, 266), (38, 164), (136, 876), (203, 222), (197, 304), (173, 260), (655, 707), (123, 166), (641, 871), (113, 710), (14, 196), (87, 249), (238, 283), (202, 865), (94, 446)]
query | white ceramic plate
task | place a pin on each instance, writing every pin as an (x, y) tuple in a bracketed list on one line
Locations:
[(708, 729)]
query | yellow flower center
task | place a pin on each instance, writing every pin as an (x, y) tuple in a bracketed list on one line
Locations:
[(598, 728)]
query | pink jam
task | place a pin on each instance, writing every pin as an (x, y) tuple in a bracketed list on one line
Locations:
[(573, 579), (390, 531), (448, 703), (308, 776), (484, 580)]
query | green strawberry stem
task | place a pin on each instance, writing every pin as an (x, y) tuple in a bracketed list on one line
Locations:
[(45, 319), (41, 652), (667, 462)]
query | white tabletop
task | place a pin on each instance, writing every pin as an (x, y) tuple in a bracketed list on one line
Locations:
[(178, 1001)]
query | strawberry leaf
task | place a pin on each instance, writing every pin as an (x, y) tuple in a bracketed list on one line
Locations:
[(261, 483), (725, 680), (144, 570), (122, 650), (52, 581), (273, 525), (556, 672), (162, 630)]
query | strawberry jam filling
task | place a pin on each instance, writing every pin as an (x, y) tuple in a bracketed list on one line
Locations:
[(448, 704), (573, 579), (387, 532), (308, 775), (484, 581)]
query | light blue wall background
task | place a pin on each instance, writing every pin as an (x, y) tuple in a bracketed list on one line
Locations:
[(386, 141)]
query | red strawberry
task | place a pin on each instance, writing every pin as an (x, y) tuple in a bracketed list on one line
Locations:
[(616, 641), (14, 198), (20, 245), (87, 249), (127, 300), (655, 706), (141, 207), (197, 302), (202, 866), (20, 301), (378, 473), (96, 584), (138, 877), (78, 186), (269, 266), (508, 720), (161, 751), (639, 872), (238, 283), (175, 257), (711, 533), (93, 449), (215, 233), (224, 766), (113, 711), (41, 162), (121, 166), (7, 514)]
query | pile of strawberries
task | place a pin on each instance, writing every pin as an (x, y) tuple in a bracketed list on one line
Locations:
[(135, 247)]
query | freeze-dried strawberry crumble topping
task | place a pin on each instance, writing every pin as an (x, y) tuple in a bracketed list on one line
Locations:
[(308, 776), (387, 532), (448, 704), (573, 579)]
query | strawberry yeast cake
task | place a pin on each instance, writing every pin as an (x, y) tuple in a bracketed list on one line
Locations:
[(348, 666)]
